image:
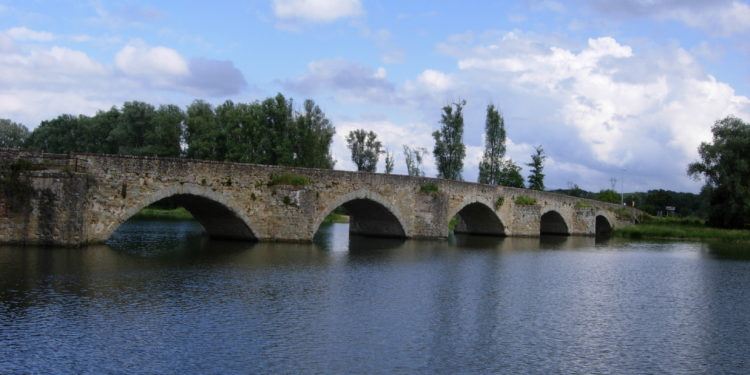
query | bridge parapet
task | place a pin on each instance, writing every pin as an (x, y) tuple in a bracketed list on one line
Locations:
[(83, 198)]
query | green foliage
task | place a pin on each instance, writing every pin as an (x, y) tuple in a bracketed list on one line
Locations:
[(388, 162), (365, 148), (681, 228), (725, 168), (494, 147), (334, 217), (510, 174), (524, 200), (453, 223), (290, 179), (608, 195), (582, 205), (429, 188), (12, 135), (267, 132), (155, 213), (287, 201), (449, 148), (499, 202), (536, 177), (413, 158)]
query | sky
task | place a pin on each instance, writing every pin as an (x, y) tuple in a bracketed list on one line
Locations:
[(616, 92)]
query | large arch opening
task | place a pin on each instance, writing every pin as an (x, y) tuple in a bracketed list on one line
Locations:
[(367, 217), (216, 219), (603, 226), (552, 223), (478, 219)]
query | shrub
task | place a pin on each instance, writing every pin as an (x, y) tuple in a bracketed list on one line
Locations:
[(429, 188), (499, 202), (524, 200), (288, 179)]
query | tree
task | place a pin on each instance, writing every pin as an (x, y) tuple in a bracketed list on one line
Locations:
[(725, 168), (314, 135), (510, 174), (388, 162), (61, 135), (494, 147), (449, 148), (366, 149), (608, 195), (163, 139), (134, 125), (414, 159), (12, 135), (536, 177), (201, 131)]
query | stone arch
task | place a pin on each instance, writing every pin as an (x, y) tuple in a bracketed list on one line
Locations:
[(476, 217), (216, 212), (552, 222), (603, 224), (370, 214)]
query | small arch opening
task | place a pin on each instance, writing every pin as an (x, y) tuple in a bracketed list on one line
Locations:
[(477, 219), (214, 218), (603, 226), (552, 223), (367, 217)]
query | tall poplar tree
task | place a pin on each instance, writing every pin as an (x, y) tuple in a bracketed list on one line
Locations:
[(449, 148), (365, 148), (494, 147), (536, 177)]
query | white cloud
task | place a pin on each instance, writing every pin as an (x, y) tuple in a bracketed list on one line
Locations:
[(136, 59), (318, 11), (435, 80), (26, 34), (602, 107)]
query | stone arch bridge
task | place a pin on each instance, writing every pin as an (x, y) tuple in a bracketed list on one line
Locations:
[(83, 198)]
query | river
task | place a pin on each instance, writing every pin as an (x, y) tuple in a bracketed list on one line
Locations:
[(161, 298)]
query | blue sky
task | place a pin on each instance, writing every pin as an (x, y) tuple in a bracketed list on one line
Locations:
[(624, 89)]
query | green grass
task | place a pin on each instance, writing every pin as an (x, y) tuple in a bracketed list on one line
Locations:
[(149, 213), (336, 218), (288, 179), (429, 188), (681, 228), (523, 200)]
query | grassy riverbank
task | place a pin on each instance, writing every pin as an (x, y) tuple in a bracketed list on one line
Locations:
[(681, 228), (336, 218), (150, 213)]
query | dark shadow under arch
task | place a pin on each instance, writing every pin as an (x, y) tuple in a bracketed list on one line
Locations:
[(370, 218), (603, 226), (477, 218), (217, 220), (553, 223)]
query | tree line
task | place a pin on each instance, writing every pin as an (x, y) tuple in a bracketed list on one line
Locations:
[(271, 132), (449, 152)]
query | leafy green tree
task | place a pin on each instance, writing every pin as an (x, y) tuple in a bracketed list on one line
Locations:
[(97, 130), (63, 134), (725, 168), (314, 135), (388, 162), (163, 139), (494, 147), (414, 159), (449, 148), (608, 195), (365, 148), (135, 123), (12, 135), (201, 131), (536, 177), (510, 174)]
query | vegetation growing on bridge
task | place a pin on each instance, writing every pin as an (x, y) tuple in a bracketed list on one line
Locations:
[(525, 200), (429, 188), (290, 179)]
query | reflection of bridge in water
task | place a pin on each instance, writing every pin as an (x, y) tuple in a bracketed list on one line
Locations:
[(82, 198)]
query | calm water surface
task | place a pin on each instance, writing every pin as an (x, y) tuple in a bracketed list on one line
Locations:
[(160, 298)]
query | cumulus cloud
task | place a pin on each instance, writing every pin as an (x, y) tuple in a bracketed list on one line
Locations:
[(603, 107), (26, 34), (317, 11), (716, 16), (351, 80), (38, 82)]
